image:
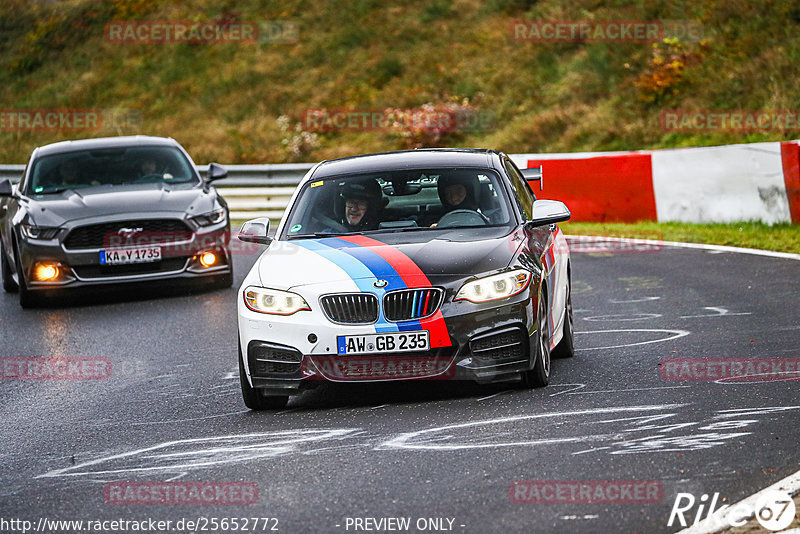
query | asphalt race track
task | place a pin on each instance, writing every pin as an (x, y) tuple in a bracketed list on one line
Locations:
[(444, 455)]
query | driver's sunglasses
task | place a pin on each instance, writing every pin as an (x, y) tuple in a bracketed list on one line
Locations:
[(357, 204)]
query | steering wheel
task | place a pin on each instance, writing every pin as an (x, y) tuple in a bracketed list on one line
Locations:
[(462, 218), (149, 176), (334, 225)]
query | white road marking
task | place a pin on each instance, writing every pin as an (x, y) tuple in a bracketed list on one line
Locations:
[(720, 312), (187, 454), (702, 246), (492, 396), (623, 317), (675, 335), (578, 386), (630, 301), (405, 440), (620, 390), (572, 517)]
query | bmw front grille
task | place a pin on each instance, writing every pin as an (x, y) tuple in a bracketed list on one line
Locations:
[(411, 304)]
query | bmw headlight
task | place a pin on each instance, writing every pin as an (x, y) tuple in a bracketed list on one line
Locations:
[(273, 301), (498, 286), (31, 231), (207, 219)]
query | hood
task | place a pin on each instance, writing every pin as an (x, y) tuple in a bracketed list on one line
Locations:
[(402, 259), (103, 201)]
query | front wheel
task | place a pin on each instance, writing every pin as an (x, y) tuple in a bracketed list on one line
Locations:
[(253, 398), (539, 376), (26, 298), (223, 281), (566, 347), (9, 285)]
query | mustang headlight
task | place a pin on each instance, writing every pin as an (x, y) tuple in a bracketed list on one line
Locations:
[(498, 286), (273, 301), (31, 231), (207, 219)]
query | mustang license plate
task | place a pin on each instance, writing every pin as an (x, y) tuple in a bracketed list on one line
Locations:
[(130, 255)]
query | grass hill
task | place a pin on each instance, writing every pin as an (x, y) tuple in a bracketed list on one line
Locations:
[(224, 102)]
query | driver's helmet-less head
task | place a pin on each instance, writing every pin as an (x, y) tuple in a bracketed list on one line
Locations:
[(471, 186), (368, 191)]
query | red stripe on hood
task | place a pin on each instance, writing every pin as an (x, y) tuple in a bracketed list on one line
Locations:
[(413, 277)]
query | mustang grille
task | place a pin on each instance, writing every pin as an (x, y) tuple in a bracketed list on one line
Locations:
[(351, 308), (409, 304), (102, 271), (153, 232)]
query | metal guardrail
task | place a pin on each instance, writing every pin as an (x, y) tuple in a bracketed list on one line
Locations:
[(250, 190)]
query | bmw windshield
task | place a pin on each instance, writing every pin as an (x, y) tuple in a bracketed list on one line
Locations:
[(405, 200)]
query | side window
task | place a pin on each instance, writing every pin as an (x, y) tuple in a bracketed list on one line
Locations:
[(521, 188)]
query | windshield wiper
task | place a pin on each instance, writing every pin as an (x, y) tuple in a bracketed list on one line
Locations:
[(323, 234), (52, 191)]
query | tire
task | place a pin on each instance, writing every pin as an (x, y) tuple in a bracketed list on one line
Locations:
[(539, 376), (223, 281), (26, 298), (253, 398), (566, 347), (9, 285)]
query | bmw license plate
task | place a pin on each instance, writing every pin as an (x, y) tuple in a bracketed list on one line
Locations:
[(381, 343), (124, 256)]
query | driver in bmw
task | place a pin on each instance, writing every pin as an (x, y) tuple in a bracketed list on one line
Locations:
[(458, 192), (361, 200)]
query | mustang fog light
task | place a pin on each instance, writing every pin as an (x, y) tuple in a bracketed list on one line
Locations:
[(274, 301), (495, 287), (45, 272), (208, 259)]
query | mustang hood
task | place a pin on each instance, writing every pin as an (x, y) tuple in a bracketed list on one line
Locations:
[(402, 259), (103, 201)]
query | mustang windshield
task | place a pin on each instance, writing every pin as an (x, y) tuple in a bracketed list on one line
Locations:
[(109, 166), (399, 201)]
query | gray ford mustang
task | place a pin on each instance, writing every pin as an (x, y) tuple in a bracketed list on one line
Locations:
[(114, 210)]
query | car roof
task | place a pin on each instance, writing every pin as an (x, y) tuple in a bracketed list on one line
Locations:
[(405, 159), (105, 142)]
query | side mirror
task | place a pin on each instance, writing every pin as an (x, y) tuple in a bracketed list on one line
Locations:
[(216, 172), (255, 231), (6, 190), (548, 212)]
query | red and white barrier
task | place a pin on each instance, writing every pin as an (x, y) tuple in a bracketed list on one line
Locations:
[(758, 181)]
